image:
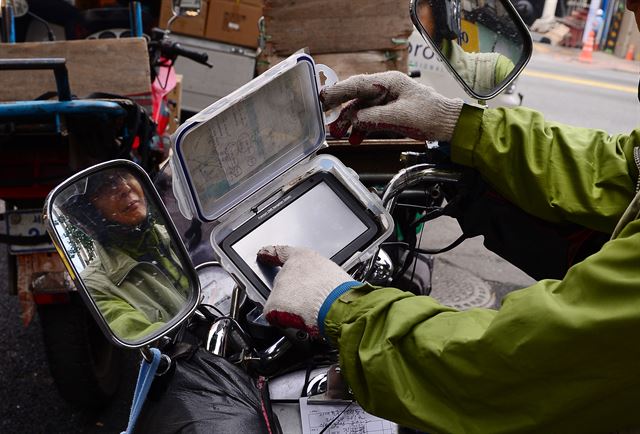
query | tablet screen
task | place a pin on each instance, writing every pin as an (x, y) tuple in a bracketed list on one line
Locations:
[(318, 219)]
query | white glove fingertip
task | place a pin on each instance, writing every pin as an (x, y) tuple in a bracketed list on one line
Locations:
[(275, 255)]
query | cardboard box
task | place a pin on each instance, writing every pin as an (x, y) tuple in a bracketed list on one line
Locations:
[(233, 22), (193, 26)]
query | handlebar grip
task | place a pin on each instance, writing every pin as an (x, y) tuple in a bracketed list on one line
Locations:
[(202, 58)]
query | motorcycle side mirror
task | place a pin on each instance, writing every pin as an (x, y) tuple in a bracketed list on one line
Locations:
[(485, 45), (188, 8), (123, 252)]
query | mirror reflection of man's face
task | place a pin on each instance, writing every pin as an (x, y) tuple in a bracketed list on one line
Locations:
[(122, 200), (425, 14)]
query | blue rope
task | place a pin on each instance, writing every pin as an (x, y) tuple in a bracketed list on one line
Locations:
[(145, 378), (12, 28), (137, 19)]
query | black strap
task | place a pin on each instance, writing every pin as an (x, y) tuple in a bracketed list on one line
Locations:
[(265, 399), (22, 240)]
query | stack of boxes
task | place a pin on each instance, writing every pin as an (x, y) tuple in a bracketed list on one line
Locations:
[(350, 36), (233, 22)]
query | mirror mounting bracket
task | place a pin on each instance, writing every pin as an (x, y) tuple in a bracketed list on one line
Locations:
[(165, 360)]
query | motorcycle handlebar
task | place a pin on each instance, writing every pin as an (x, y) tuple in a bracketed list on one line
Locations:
[(172, 50), (202, 58)]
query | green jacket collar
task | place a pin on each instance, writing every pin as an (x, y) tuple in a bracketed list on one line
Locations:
[(117, 264)]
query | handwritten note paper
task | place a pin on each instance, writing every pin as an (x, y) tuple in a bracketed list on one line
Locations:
[(354, 420), (248, 136)]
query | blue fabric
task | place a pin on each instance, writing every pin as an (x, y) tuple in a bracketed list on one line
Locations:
[(145, 378), (328, 302), (12, 27)]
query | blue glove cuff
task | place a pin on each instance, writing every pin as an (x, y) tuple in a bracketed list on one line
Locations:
[(331, 298)]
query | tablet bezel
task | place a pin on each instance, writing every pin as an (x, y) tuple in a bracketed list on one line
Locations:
[(371, 232)]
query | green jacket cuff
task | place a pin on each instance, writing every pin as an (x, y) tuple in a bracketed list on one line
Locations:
[(331, 298), (354, 302), (466, 134)]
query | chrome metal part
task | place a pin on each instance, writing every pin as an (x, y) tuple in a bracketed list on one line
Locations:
[(407, 178), (412, 176), (317, 385), (217, 337), (382, 269), (274, 351), (237, 297)]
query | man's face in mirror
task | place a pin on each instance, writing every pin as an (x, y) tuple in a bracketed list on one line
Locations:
[(434, 18), (121, 200), (426, 18)]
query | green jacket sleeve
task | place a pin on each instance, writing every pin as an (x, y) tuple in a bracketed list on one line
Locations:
[(124, 320), (128, 320), (504, 66), (558, 357), (556, 172)]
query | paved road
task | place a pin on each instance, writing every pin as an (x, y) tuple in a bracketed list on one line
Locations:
[(565, 90), (602, 94)]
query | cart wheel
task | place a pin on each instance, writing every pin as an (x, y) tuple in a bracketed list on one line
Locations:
[(85, 366)]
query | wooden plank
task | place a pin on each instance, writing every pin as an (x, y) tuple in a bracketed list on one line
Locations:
[(118, 66), (348, 64), (328, 35), (368, 62), (339, 10), (336, 26)]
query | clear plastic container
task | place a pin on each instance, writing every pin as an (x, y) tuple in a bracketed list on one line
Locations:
[(248, 163)]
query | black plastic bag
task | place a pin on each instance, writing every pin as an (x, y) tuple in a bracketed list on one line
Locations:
[(202, 393)]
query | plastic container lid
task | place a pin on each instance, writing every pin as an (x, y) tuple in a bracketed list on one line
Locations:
[(234, 147)]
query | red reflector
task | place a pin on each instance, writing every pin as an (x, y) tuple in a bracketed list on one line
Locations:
[(51, 298)]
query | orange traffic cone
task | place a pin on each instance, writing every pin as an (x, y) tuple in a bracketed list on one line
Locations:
[(586, 55), (630, 52)]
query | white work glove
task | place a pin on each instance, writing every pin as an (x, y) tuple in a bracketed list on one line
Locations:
[(300, 287), (390, 101)]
